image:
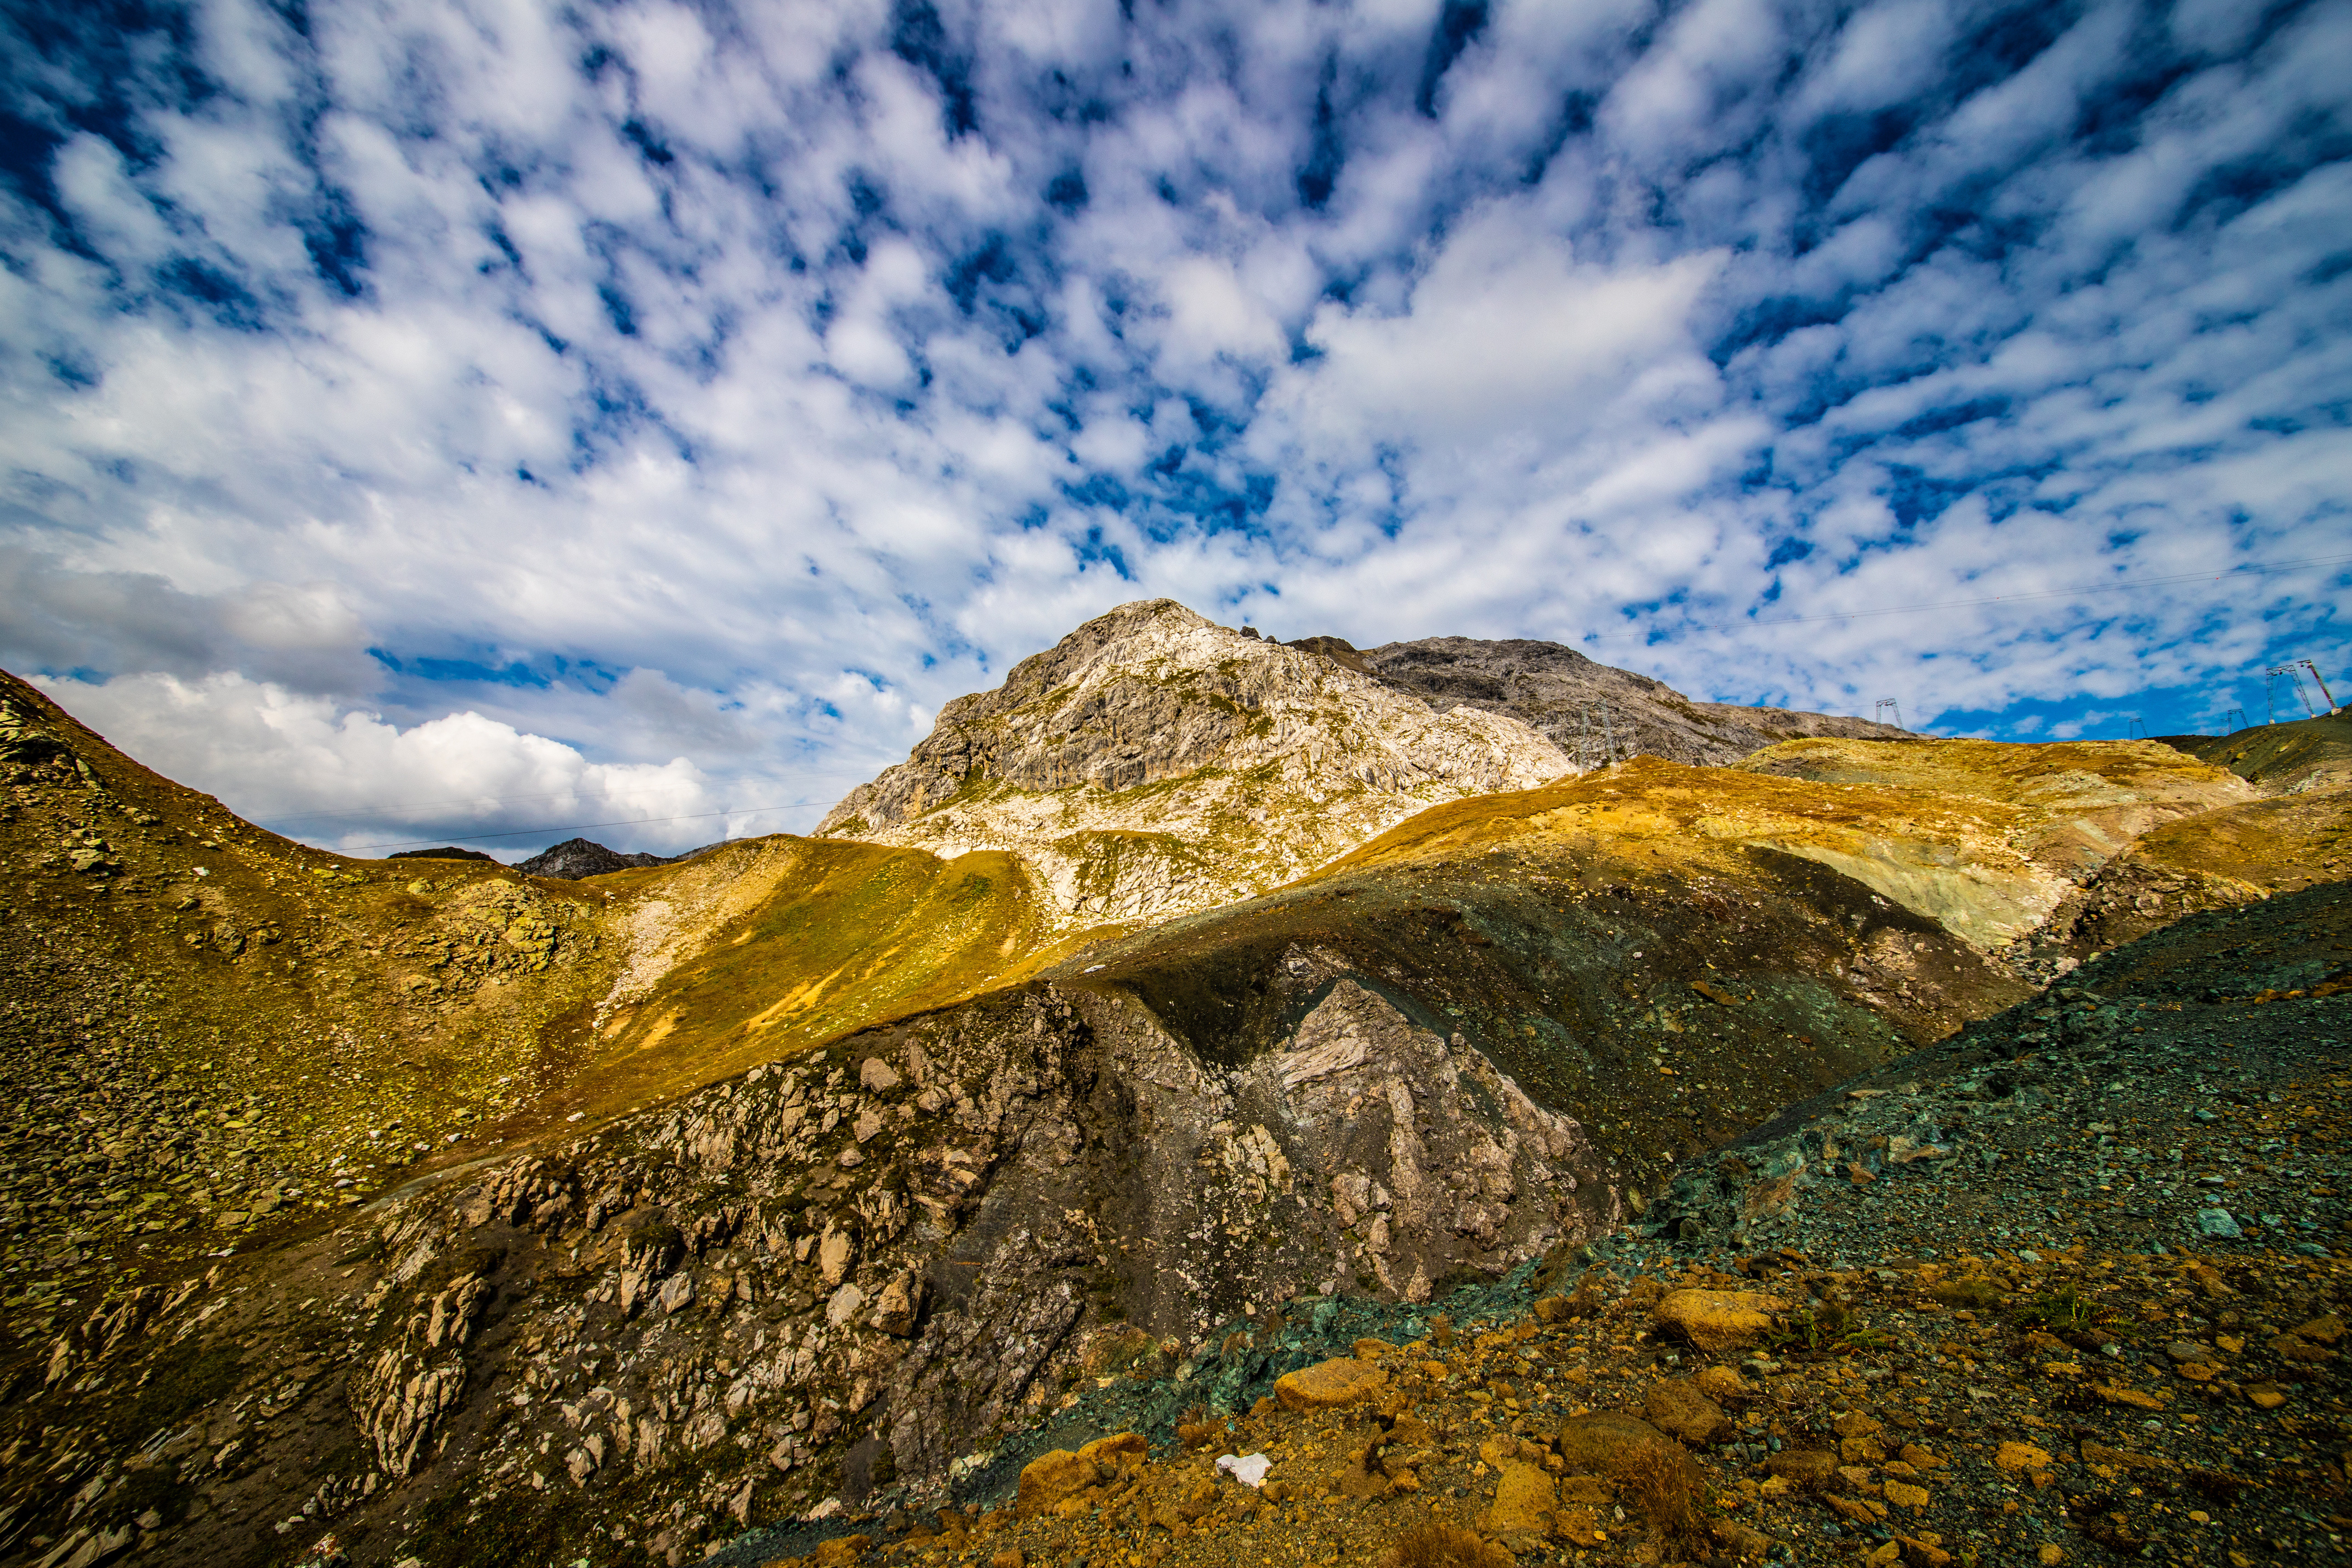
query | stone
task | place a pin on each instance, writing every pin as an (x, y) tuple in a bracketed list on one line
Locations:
[(843, 1305), (2115, 1393), (876, 1077), (2218, 1223), (1811, 1468), (1676, 1406), (1609, 1443), (1904, 1494), (1342, 1381), (1010, 1557), (1523, 1504), (1717, 1321), (1861, 1450), (895, 1309), (2265, 1396), (1051, 1476), (835, 1253), (2013, 1458), (1722, 1382), (840, 1551), (1581, 1526), (2050, 1556), (2323, 1331)]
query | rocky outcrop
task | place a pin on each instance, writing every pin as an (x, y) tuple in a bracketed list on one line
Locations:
[(577, 857), (1594, 712), (1154, 762), (909, 1243)]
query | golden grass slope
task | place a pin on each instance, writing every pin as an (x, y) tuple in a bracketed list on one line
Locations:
[(1985, 839), (221, 1034), (769, 946)]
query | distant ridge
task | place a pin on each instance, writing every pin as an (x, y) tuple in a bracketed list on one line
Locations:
[(1559, 693), (447, 852), (577, 857)]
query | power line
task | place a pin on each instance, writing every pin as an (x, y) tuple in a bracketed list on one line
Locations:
[(582, 827), (1968, 604)]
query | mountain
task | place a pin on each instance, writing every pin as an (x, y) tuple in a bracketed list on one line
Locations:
[(577, 857), (477, 1216), (1593, 711), (1154, 762)]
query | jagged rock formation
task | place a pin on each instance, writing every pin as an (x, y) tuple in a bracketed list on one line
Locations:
[(1154, 762), (1562, 693), (577, 857)]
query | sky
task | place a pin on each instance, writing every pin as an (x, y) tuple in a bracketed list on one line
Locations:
[(429, 421)]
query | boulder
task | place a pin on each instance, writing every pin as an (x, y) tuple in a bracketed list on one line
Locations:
[(1608, 1444), (1058, 1474), (1717, 1321), (1521, 1514), (1813, 1469), (1329, 1383), (1677, 1406)]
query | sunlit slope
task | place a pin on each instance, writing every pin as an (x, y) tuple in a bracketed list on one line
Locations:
[(768, 946), (208, 1032), (1986, 840), (1665, 990), (1669, 953), (206, 1028)]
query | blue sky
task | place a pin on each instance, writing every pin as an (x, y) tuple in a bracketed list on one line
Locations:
[(466, 417)]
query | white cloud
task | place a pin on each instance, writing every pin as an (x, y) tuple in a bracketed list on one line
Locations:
[(308, 766), (661, 381)]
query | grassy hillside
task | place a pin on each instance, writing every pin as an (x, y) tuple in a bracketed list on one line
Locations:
[(210, 1034)]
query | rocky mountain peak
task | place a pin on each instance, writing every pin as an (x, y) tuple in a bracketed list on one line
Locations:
[(1593, 712), (1153, 762)]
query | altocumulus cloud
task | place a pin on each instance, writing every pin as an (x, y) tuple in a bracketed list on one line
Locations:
[(468, 417)]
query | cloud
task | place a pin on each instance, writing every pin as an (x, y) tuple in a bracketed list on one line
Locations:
[(694, 385), (345, 778)]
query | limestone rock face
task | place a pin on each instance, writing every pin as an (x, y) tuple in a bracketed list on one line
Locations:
[(1153, 763)]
